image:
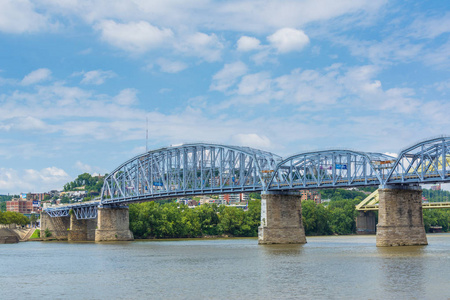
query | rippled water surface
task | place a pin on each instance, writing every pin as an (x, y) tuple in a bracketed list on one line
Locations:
[(349, 267)]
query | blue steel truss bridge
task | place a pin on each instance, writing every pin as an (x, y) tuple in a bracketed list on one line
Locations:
[(201, 169)]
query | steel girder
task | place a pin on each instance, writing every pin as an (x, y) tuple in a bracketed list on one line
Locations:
[(192, 169), (83, 210), (330, 169), (425, 162)]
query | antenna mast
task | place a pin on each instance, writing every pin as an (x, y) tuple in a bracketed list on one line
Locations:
[(146, 137)]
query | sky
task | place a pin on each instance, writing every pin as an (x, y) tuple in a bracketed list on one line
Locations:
[(81, 79)]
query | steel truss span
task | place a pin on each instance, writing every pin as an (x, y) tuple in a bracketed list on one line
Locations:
[(425, 162), (84, 210), (193, 169), (331, 169), (199, 169)]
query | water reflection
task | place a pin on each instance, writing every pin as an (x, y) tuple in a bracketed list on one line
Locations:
[(283, 250), (402, 271)]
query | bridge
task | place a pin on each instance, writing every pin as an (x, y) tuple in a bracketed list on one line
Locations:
[(202, 169)]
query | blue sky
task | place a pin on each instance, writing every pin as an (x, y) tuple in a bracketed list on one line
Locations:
[(78, 79)]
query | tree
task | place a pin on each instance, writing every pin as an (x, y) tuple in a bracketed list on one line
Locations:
[(315, 218)]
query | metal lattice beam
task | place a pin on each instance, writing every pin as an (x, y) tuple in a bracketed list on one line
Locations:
[(199, 169), (189, 170)]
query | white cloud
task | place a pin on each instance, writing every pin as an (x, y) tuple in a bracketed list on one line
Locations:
[(126, 97), (254, 83), (85, 168), (169, 66), (237, 15), (19, 16), (252, 140), (247, 43), (31, 180), (133, 36), (288, 39), (228, 76), (207, 47), (431, 27), (97, 77), (26, 123), (439, 56), (36, 76)]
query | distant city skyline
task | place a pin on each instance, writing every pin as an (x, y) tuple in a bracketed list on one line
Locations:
[(79, 80)]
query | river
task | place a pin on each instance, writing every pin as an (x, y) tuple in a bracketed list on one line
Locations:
[(332, 267)]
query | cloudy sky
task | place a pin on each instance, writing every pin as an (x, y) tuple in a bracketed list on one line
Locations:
[(79, 79)]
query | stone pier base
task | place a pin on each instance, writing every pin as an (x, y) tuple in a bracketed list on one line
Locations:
[(281, 219), (400, 220), (57, 226), (82, 230), (366, 222), (113, 225)]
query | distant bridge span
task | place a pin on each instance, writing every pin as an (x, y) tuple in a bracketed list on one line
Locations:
[(199, 169)]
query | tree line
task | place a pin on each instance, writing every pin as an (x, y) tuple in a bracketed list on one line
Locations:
[(173, 220), (11, 217)]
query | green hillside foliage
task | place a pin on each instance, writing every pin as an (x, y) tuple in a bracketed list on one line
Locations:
[(91, 183)]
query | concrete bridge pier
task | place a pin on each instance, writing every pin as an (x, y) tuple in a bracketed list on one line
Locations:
[(400, 220), (82, 230), (113, 224), (281, 219), (57, 226), (366, 222)]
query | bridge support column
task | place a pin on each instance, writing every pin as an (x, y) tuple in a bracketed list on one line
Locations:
[(57, 226), (281, 219), (82, 230), (113, 224), (366, 222), (400, 220)]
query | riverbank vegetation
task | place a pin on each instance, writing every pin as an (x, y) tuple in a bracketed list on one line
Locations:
[(11, 217), (173, 220), (336, 216)]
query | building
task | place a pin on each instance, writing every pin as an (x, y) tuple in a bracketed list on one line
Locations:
[(311, 195), (234, 198), (23, 206)]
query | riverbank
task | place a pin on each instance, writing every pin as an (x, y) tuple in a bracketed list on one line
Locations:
[(8, 236)]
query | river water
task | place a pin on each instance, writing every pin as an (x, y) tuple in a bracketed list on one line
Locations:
[(335, 267)]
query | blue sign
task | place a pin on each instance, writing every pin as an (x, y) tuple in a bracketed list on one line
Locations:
[(36, 203), (341, 167), (158, 183)]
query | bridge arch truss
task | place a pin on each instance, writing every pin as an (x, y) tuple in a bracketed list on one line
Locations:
[(193, 169), (425, 162), (331, 169)]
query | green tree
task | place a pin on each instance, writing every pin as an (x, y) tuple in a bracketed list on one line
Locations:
[(315, 218)]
